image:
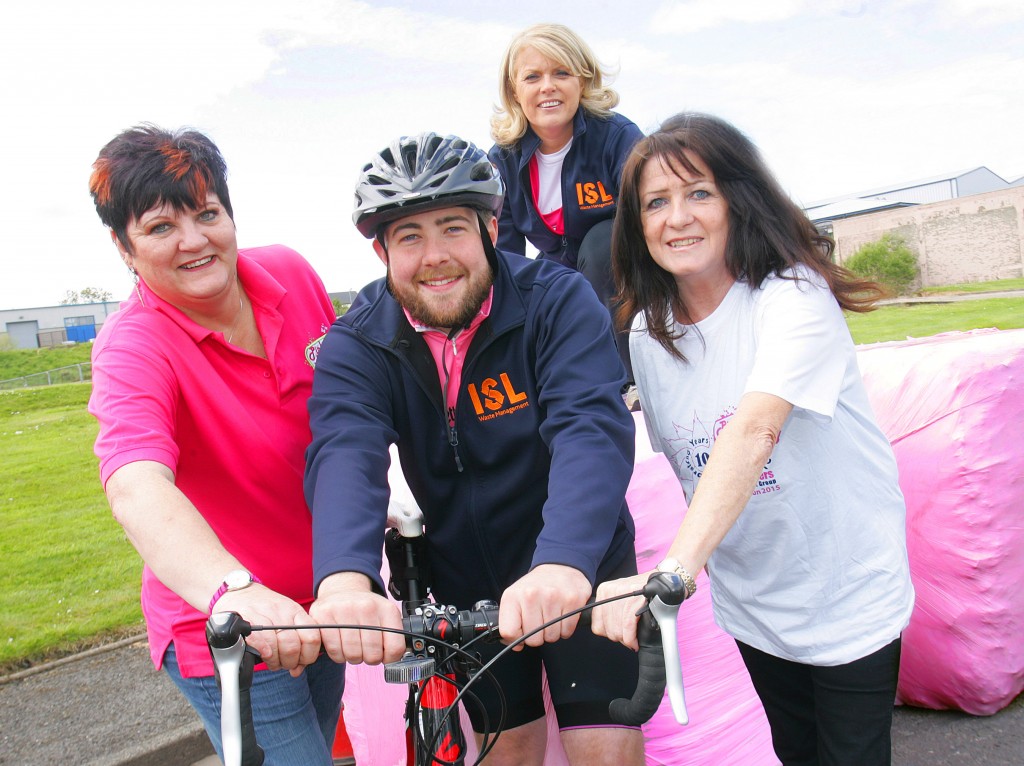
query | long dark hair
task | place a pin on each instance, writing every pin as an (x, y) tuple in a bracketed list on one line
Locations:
[(768, 233)]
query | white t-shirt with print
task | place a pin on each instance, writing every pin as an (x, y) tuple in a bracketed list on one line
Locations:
[(815, 569)]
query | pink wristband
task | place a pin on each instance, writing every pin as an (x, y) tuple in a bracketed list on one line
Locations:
[(236, 579)]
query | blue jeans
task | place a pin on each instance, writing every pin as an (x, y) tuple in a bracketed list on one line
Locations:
[(295, 718)]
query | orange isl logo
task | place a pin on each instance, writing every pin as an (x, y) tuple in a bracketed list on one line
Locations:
[(493, 395), (590, 194)]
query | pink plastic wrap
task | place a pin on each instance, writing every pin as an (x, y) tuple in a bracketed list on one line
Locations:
[(953, 408)]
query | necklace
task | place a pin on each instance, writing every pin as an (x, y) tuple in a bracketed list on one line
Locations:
[(231, 333)]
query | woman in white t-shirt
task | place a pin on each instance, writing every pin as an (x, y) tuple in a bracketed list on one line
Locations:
[(749, 384)]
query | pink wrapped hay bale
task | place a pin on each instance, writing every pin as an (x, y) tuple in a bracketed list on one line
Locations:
[(953, 407)]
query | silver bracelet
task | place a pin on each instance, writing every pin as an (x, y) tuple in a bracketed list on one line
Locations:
[(672, 566)]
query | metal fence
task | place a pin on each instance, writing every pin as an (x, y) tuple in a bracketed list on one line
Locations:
[(74, 373)]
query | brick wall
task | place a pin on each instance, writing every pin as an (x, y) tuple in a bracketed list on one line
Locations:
[(969, 239)]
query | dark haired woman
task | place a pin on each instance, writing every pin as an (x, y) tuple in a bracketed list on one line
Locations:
[(749, 383), (200, 384)]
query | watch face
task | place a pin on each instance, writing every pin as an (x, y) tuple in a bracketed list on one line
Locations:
[(238, 578)]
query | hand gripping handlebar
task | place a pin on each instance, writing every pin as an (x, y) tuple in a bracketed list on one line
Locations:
[(656, 633), (660, 666), (659, 655)]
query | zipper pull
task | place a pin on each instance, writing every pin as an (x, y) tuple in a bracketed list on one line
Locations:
[(453, 440)]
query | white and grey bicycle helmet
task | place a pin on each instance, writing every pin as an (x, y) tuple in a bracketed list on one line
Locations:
[(418, 173)]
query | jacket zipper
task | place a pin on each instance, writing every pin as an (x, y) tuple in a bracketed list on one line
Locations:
[(453, 433)]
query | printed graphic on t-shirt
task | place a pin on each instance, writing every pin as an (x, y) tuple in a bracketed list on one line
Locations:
[(494, 397), (689, 449)]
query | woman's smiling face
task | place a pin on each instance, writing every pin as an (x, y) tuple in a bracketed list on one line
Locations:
[(187, 257), (549, 94), (685, 221)]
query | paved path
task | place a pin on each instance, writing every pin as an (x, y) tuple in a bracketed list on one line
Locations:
[(946, 738), (103, 708), (109, 708)]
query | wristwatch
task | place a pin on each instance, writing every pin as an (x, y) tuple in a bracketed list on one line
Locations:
[(672, 566), (236, 579)]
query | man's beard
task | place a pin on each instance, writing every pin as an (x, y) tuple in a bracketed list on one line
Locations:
[(432, 315)]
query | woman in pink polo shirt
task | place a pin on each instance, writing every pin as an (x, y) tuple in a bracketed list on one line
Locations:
[(200, 384)]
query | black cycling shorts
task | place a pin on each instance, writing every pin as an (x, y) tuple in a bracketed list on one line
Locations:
[(585, 672)]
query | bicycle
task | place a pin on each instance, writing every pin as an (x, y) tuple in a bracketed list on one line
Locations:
[(439, 642)]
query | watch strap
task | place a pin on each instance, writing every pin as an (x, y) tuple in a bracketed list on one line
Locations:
[(224, 588)]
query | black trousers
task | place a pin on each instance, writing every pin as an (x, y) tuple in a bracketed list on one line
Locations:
[(595, 263), (828, 716)]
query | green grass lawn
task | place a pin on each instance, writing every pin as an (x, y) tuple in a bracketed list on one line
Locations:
[(976, 287), (21, 362), (69, 575), (919, 320)]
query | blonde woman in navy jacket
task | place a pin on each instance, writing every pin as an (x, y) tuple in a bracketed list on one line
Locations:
[(560, 151)]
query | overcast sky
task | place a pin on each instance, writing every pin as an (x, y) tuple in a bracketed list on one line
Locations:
[(841, 96)]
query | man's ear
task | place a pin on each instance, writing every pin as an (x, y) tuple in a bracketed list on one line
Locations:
[(378, 248), (492, 229)]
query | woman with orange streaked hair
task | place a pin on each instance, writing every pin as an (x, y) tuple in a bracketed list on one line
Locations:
[(200, 384)]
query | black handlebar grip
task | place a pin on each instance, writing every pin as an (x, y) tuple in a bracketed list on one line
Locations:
[(252, 753), (651, 686)]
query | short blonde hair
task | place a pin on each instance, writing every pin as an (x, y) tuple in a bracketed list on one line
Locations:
[(563, 46)]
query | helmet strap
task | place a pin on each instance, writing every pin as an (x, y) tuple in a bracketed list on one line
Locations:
[(485, 239)]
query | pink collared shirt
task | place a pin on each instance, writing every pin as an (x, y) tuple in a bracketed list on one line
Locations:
[(231, 426), (449, 364)]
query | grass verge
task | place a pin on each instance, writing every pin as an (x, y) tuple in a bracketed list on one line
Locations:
[(70, 577), (28, 361), (919, 320), (975, 287)]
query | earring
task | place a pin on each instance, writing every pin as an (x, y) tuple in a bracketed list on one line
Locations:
[(135, 281)]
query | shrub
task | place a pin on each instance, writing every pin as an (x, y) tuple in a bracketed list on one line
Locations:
[(888, 261)]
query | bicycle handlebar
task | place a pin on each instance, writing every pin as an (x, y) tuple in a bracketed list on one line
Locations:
[(438, 624), (658, 657)]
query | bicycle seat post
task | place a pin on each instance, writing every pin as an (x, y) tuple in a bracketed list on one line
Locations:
[(405, 547)]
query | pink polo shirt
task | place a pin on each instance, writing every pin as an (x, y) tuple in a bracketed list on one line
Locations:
[(453, 360), (231, 426)]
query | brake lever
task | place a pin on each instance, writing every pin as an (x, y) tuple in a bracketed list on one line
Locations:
[(666, 615), (233, 662)]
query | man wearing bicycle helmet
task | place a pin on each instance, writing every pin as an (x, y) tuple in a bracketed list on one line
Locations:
[(497, 378)]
